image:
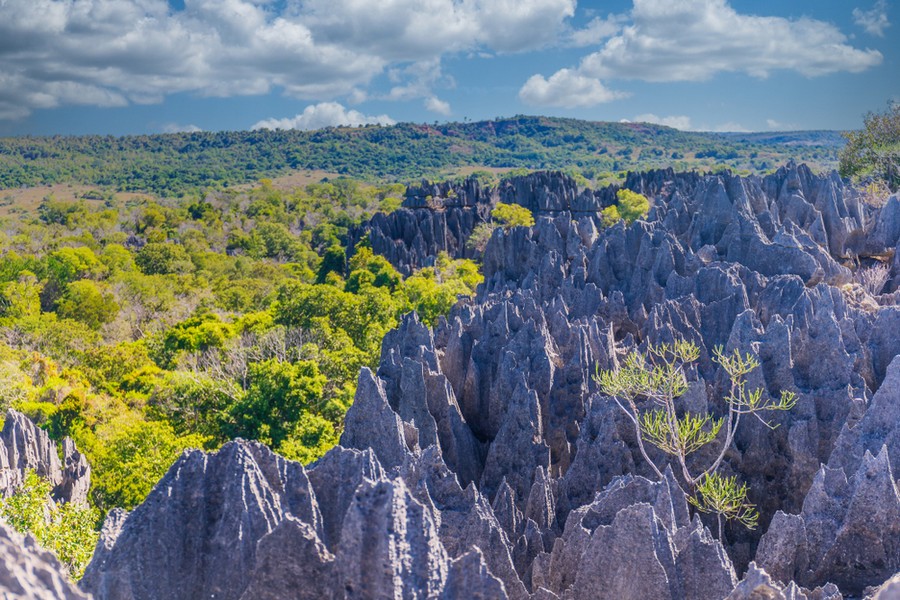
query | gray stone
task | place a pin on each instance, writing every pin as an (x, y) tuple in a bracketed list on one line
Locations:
[(28, 572), (24, 446)]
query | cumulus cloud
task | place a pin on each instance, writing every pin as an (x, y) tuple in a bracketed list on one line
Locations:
[(874, 20), (418, 29), (324, 114), (676, 121), (116, 52), (436, 105), (567, 89), (598, 30), (693, 40)]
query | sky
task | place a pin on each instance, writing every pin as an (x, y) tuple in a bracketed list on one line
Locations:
[(159, 66)]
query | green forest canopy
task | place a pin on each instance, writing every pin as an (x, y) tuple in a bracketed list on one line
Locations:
[(173, 164)]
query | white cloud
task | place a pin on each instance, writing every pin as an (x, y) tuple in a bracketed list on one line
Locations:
[(678, 121), (420, 29), (693, 40), (598, 30), (568, 89), (874, 20), (436, 105), (324, 114), (176, 128), (116, 52)]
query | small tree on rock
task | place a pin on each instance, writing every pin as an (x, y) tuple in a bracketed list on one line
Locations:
[(646, 388)]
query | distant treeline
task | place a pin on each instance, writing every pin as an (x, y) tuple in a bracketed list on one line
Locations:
[(171, 164)]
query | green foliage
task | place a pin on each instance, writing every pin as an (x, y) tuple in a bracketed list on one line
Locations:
[(610, 216), (141, 327), (66, 530), (725, 497), (480, 236), (84, 301), (175, 164), (632, 206), (193, 335), (311, 439), (646, 388), (21, 298), (158, 258), (873, 153), (432, 291), (512, 215), (279, 394), (129, 455)]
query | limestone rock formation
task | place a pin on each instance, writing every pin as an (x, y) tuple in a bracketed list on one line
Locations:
[(847, 533), (29, 573), (24, 446), (481, 458)]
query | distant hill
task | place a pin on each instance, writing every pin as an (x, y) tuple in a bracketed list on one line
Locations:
[(170, 164)]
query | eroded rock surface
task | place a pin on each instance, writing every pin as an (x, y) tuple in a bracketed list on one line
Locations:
[(26, 447), (28, 572), (480, 455)]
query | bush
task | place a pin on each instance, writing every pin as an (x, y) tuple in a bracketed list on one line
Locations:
[(512, 215), (67, 530), (873, 154)]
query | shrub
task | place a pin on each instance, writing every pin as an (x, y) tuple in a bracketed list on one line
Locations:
[(67, 530), (873, 153), (646, 388)]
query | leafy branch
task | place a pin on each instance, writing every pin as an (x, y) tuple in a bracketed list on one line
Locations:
[(657, 378)]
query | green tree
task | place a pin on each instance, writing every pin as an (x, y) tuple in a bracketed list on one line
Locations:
[(279, 393), (512, 215), (632, 206), (873, 153), (129, 456), (311, 439), (21, 298), (480, 236), (646, 388), (67, 530), (84, 301), (160, 258), (334, 261)]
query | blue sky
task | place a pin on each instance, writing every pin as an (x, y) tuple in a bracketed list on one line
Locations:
[(152, 66)]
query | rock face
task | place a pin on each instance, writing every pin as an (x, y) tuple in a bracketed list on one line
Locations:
[(24, 447), (480, 457), (30, 573)]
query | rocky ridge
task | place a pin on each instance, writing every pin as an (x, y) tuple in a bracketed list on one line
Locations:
[(24, 446), (480, 457)]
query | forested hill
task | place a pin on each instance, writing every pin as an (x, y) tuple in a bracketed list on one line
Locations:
[(174, 163)]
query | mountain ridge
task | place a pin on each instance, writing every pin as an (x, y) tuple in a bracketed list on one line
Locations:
[(183, 162)]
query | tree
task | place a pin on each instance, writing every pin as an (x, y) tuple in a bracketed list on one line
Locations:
[(84, 301), (503, 215), (129, 456), (630, 207), (160, 258), (873, 153), (280, 392), (646, 388), (512, 215), (311, 439), (480, 236)]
